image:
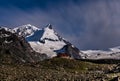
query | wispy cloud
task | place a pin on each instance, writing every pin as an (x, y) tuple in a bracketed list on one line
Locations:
[(90, 25)]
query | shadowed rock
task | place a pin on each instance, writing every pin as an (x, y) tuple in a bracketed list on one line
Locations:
[(16, 49)]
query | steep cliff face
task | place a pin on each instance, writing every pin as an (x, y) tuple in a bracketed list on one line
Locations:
[(17, 49)]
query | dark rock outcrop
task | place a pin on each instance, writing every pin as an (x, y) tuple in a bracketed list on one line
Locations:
[(16, 49), (69, 50)]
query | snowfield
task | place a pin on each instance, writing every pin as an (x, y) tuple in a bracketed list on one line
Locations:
[(112, 53)]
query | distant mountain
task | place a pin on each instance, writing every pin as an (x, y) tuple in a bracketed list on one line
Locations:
[(111, 53), (46, 40), (16, 49)]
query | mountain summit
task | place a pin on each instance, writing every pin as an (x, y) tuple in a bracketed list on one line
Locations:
[(25, 30)]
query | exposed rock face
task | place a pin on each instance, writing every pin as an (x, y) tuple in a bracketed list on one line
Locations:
[(73, 51), (17, 49), (69, 50)]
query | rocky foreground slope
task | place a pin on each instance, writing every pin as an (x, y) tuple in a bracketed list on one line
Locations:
[(59, 69), (16, 49)]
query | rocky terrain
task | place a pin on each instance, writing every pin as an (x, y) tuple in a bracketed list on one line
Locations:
[(59, 69)]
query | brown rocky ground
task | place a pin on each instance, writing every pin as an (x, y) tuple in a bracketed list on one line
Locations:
[(57, 69)]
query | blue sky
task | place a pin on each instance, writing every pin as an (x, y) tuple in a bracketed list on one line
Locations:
[(88, 24)]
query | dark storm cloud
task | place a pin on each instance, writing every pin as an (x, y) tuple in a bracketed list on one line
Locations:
[(89, 24)]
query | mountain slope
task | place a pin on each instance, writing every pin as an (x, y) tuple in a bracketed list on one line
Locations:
[(16, 49)]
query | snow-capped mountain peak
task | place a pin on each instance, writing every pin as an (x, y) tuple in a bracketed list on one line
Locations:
[(49, 26), (27, 26), (49, 33), (47, 41), (8, 29), (25, 30)]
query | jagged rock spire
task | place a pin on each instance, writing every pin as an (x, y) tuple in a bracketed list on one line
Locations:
[(49, 26)]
